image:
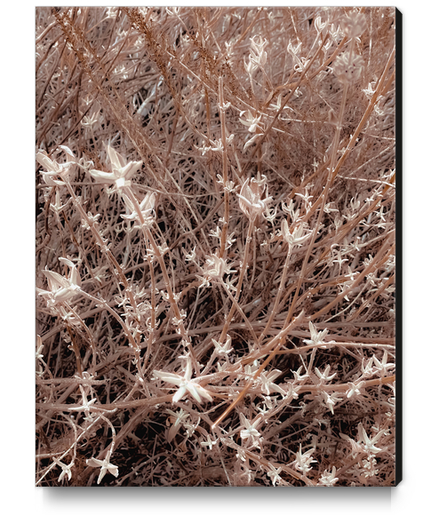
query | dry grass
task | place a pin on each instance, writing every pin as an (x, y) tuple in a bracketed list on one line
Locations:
[(215, 246)]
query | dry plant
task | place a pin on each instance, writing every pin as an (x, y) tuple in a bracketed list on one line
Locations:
[(215, 246)]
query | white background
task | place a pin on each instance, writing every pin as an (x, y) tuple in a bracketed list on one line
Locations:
[(17, 314)]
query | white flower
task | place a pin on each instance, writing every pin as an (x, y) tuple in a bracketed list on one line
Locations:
[(105, 467), (86, 406), (331, 400), (292, 49), (185, 384), (209, 443), (301, 62), (317, 338), (274, 474), (215, 269), (65, 469), (367, 369), (303, 460), (61, 288), (252, 122), (179, 416), (356, 447), (267, 382), (369, 442), (58, 207), (55, 169), (324, 376), (250, 431), (354, 24), (364, 443), (297, 374), (121, 173), (223, 350), (348, 67), (146, 207), (88, 121), (258, 56), (295, 238), (355, 389), (328, 479), (191, 256), (319, 25), (383, 366), (250, 198)]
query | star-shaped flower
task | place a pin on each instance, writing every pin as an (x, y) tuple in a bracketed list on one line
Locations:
[(65, 469), (369, 443), (274, 474), (61, 288), (223, 350), (317, 337), (55, 169), (121, 173), (146, 208), (185, 384), (105, 467), (250, 198), (250, 431), (297, 237), (324, 376), (328, 478), (86, 406), (267, 382), (252, 122), (304, 460)]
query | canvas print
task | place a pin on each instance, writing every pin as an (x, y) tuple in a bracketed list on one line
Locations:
[(215, 246)]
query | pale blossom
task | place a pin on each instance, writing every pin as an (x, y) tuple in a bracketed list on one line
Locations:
[(185, 384), (105, 467), (250, 198), (62, 289), (56, 171), (317, 338), (331, 400), (215, 269), (348, 67), (122, 171), (223, 350), (274, 474), (304, 460), (258, 56), (65, 469), (250, 431), (324, 376), (369, 443), (354, 24), (86, 406), (297, 237), (354, 389), (146, 207), (267, 382), (252, 122), (328, 478)]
